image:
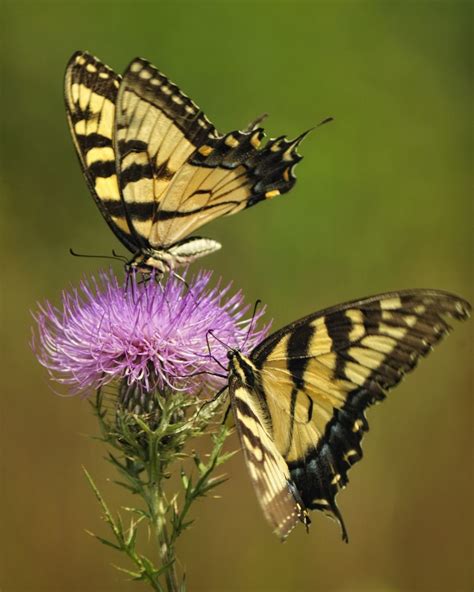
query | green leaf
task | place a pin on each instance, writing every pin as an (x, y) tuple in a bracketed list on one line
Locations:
[(143, 514), (132, 536), (185, 525), (132, 488), (184, 479), (201, 467), (152, 569), (108, 516), (104, 541), (135, 575), (211, 483)]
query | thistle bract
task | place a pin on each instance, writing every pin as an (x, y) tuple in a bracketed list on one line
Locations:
[(155, 335)]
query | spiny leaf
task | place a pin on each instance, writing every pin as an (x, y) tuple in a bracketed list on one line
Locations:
[(138, 511), (104, 541), (132, 536), (211, 483), (107, 514), (184, 479), (185, 525), (132, 488), (201, 467), (135, 575)]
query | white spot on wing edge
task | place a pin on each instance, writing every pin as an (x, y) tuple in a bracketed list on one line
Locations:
[(145, 74), (392, 303), (136, 67)]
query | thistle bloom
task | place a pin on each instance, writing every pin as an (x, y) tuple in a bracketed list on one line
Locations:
[(149, 334)]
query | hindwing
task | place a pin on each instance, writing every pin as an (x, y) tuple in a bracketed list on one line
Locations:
[(176, 172), (318, 376)]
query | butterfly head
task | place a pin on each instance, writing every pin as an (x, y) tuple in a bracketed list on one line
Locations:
[(148, 261), (242, 368), (156, 262)]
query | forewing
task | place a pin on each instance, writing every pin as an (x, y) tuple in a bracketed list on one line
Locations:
[(90, 93), (268, 470), (176, 172), (321, 373), (157, 129)]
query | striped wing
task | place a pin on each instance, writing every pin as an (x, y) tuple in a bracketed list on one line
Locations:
[(268, 470), (90, 92), (319, 375), (176, 172)]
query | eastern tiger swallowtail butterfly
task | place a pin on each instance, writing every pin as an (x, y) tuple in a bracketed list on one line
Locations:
[(157, 167), (299, 398)]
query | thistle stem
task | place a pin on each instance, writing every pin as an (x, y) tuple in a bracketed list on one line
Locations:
[(149, 447), (159, 512)]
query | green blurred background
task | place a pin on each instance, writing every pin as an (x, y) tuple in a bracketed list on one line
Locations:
[(382, 202)]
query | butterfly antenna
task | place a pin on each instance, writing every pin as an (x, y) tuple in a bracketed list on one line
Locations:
[(209, 349), (114, 256), (201, 372), (211, 332), (117, 256), (257, 304)]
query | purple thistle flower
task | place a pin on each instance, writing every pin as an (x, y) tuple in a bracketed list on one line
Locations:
[(153, 335)]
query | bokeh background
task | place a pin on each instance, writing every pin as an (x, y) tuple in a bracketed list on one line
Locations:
[(382, 202)]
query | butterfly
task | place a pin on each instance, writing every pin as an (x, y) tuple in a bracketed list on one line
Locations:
[(157, 167), (299, 398)]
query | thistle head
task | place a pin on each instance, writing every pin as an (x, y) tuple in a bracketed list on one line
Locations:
[(149, 335)]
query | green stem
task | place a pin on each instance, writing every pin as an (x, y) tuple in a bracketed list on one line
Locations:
[(158, 507), (148, 448), (166, 551)]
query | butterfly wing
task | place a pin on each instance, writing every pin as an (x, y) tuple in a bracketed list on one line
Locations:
[(267, 468), (176, 171), (90, 89), (320, 374)]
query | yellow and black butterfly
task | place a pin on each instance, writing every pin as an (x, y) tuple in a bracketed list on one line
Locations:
[(157, 167), (299, 398)]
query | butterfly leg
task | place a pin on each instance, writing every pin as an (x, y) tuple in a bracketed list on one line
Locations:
[(214, 402), (228, 418), (181, 278)]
